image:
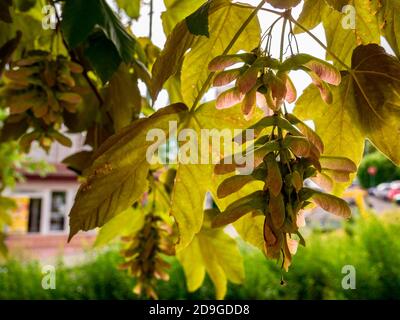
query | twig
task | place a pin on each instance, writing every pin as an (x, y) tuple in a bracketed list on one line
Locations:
[(319, 42), (227, 49), (75, 58), (282, 39)]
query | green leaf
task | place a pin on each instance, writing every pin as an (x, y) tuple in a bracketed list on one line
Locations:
[(119, 172), (13, 130), (122, 98), (177, 10), (102, 55), (126, 223), (197, 22), (341, 38), (31, 29), (334, 123), (78, 162), (389, 18), (173, 87), (284, 4), (178, 42), (366, 105), (25, 5), (271, 121), (342, 41), (212, 250), (192, 262), (171, 57), (6, 205), (251, 230), (188, 210), (251, 203), (310, 16), (8, 49), (5, 11), (77, 25), (367, 24), (376, 82), (131, 7), (223, 25)]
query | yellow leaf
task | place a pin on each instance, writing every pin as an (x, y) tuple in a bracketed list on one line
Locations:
[(223, 25), (127, 222), (212, 250), (193, 181), (122, 98), (119, 172)]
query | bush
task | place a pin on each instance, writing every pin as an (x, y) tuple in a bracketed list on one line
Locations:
[(387, 171), (372, 247)]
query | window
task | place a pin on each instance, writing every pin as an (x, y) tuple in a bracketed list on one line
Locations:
[(58, 210), (35, 208)]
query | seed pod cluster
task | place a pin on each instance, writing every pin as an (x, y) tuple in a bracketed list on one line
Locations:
[(41, 88), (263, 81), (286, 153), (143, 255)]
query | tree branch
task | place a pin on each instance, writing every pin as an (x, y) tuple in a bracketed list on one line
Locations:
[(319, 42), (204, 88), (75, 58)]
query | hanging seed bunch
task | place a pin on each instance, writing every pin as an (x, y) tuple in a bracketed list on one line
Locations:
[(42, 88), (284, 157), (286, 151), (143, 254), (264, 81)]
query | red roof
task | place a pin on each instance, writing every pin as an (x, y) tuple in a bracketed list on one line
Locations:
[(61, 173)]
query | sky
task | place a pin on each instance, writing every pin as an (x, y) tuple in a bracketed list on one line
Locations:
[(306, 44)]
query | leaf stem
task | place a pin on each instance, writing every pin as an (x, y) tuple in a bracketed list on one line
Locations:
[(282, 39), (262, 9), (319, 42), (206, 84), (151, 19), (75, 58), (349, 69)]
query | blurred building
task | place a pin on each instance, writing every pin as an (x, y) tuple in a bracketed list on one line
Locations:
[(40, 225)]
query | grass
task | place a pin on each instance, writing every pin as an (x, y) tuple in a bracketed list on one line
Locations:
[(372, 246)]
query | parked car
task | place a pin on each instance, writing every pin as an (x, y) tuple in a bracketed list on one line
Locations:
[(393, 192), (397, 199), (395, 184), (372, 191), (382, 190)]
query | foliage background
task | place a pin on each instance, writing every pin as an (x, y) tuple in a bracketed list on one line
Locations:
[(372, 246), (386, 170), (113, 61)]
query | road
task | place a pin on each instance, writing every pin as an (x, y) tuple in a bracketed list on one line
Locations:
[(319, 218), (380, 205)]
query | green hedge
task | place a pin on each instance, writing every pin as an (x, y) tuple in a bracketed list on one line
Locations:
[(387, 171), (372, 247)]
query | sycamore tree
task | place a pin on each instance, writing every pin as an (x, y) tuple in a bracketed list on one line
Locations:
[(76, 66)]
